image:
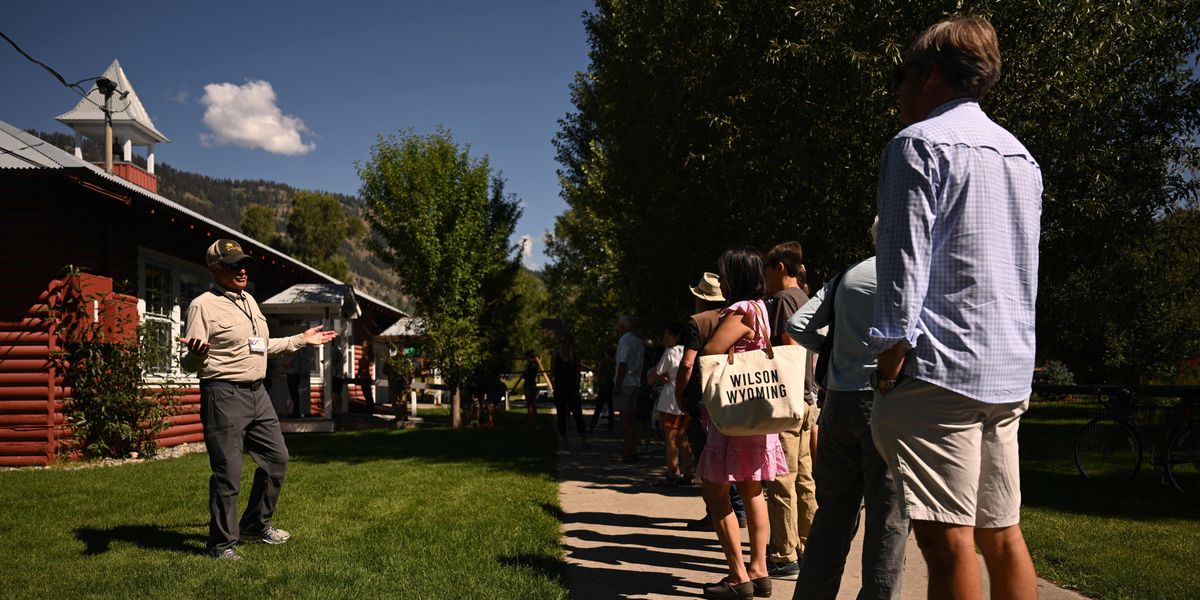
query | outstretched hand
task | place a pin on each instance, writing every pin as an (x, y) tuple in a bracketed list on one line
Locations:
[(315, 337)]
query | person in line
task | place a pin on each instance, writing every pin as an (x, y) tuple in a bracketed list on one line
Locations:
[(627, 384), (606, 371), (228, 344), (848, 469), (709, 300), (529, 377), (960, 203), (564, 374), (672, 417), (791, 497), (744, 461), (647, 418)]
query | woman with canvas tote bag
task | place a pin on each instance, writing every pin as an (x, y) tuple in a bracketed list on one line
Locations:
[(745, 461)]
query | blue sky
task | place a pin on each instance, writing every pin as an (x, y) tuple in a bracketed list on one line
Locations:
[(495, 73)]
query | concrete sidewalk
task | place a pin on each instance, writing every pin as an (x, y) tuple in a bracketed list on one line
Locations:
[(625, 538)]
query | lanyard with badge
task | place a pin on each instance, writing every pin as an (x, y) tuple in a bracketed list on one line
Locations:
[(257, 344)]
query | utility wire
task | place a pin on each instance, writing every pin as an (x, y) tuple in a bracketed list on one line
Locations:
[(78, 89)]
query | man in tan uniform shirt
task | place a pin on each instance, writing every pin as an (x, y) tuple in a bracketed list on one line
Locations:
[(228, 345)]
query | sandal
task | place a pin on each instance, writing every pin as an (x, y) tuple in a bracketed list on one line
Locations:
[(723, 590), (762, 587)]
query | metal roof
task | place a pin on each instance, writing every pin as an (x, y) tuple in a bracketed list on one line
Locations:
[(405, 327), (22, 150), (310, 293), (130, 119)]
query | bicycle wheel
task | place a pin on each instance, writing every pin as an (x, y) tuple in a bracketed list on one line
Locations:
[(1108, 450), (1183, 459)]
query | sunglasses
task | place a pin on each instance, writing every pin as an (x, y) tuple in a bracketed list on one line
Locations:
[(233, 268)]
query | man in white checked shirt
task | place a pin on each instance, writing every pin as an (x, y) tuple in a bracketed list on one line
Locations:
[(959, 220)]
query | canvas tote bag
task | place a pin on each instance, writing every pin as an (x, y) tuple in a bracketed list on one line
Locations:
[(755, 392)]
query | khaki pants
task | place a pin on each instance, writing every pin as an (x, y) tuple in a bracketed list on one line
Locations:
[(792, 498)]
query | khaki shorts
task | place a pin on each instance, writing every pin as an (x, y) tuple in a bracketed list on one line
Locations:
[(955, 458)]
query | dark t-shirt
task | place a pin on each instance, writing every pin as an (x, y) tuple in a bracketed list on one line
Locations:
[(530, 375), (780, 308), (693, 339)]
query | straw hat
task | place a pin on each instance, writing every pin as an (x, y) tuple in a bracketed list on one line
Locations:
[(709, 288)]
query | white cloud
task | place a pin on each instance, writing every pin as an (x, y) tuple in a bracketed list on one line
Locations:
[(527, 253), (182, 97), (246, 115)]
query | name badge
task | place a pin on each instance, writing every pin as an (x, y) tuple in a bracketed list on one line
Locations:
[(258, 344)]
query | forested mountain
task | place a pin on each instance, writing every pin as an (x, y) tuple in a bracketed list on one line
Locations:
[(224, 201)]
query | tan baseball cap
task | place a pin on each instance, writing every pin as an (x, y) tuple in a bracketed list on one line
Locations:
[(225, 251)]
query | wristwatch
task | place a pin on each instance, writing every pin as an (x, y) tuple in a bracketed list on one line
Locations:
[(882, 385)]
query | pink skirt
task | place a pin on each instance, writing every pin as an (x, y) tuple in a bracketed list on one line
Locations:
[(740, 458)]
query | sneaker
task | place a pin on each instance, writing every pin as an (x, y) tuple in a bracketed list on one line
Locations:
[(270, 535), (787, 571), (226, 554)]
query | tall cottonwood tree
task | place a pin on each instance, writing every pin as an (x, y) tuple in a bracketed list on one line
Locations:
[(444, 223), (258, 222), (317, 227), (702, 125)]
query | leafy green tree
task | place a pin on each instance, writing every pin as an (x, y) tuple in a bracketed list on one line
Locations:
[(702, 125), (258, 222), (316, 228), (443, 222)]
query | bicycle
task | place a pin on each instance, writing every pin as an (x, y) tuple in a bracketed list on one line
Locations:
[(1110, 447)]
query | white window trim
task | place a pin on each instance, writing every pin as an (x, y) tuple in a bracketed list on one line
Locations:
[(177, 266)]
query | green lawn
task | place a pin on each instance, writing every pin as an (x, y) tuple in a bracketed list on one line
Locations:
[(1133, 541), (426, 513)]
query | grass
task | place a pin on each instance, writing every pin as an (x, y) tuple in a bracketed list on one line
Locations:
[(426, 513), (1111, 541)]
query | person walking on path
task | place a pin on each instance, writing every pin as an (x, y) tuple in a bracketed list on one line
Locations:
[(848, 469), (746, 461), (791, 497), (606, 370), (529, 379), (564, 374), (957, 258), (228, 345), (672, 417), (627, 383)]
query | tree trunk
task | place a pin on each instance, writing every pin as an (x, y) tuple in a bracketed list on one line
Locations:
[(456, 408)]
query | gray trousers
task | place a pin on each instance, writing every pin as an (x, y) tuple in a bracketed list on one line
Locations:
[(848, 470), (237, 418)]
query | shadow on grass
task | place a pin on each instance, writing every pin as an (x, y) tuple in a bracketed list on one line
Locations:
[(549, 567), (1049, 480), (149, 537), (520, 448)]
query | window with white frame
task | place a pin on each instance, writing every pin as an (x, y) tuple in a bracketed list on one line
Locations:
[(166, 286)]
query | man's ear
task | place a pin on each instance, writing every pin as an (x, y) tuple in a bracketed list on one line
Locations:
[(934, 77)]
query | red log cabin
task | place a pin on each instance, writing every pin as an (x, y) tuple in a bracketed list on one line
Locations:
[(61, 210)]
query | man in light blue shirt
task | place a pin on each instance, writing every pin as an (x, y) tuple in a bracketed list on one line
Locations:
[(960, 208), (848, 470)]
